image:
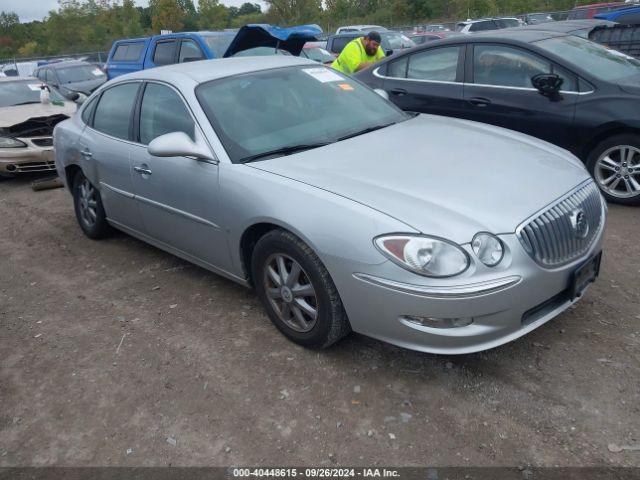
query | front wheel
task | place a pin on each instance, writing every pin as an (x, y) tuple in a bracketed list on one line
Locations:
[(297, 291), (615, 166)]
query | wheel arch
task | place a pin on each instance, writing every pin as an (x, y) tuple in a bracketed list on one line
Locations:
[(70, 172), (604, 133), (254, 232)]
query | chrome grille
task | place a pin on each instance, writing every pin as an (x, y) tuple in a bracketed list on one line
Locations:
[(551, 237)]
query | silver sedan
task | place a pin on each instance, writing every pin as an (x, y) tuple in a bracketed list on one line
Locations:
[(342, 212)]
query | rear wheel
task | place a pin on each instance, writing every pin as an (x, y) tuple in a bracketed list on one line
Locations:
[(615, 165), (297, 291), (89, 210)]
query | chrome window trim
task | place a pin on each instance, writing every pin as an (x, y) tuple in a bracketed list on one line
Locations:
[(445, 82), (215, 161), (376, 73)]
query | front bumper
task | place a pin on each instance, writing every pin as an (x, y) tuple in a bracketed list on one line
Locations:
[(37, 156), (505, 303)]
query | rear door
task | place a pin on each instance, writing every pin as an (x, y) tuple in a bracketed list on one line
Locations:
[(162, 52), (178, 197), (105, 150), (428, 81), (499, 91)]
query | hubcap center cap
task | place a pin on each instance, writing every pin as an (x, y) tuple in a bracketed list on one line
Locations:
[(287, 294)]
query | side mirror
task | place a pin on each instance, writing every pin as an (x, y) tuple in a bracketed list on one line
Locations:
[(73, 96), (548, 84), (177, 144), (388, 53), (382, 93)]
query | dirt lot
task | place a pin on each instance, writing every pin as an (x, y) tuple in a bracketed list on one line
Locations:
[(116, 353)]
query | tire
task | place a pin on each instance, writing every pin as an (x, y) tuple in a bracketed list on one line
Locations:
[(312, 287), (621, 185), (86, 199)]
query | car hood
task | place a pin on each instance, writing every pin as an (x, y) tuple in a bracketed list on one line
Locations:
[(439, 175), (262, 35), (87, 87), (10, 116)]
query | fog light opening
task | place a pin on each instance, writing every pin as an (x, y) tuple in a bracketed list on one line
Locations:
[(434, 322), (11, 168)]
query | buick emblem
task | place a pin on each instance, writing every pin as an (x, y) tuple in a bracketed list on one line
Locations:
[(579, 223)]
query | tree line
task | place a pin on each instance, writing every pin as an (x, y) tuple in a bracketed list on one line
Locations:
[(92, 25)]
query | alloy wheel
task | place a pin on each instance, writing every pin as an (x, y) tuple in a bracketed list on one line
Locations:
[(618, 171), (290, 292), (87, 202)]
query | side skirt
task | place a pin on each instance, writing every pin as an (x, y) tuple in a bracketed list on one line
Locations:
[(179, 253)]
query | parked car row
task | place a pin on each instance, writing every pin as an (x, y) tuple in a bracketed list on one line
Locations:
[(560, 88)]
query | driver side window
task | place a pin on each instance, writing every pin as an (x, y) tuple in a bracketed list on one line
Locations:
[(163, 111), (505, 66)]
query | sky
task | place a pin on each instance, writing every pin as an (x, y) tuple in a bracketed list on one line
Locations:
[(29, 10)]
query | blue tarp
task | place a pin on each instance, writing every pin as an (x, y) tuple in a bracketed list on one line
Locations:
[(263, 35)]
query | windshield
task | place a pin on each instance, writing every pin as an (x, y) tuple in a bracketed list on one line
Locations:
[(218, 44), (80, 73), (22, 92), (269, 110), (601, 62), (395, 41), (507, 22), (318, 54)]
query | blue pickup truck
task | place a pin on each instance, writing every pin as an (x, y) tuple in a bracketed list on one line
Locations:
[(135, 54)]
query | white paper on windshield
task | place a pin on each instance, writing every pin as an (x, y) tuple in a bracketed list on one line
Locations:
[(97, 72), (323, 75), (36, 87)]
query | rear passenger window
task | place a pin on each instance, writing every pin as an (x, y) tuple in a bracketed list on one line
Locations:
[(165, 53), (440, 65), (189, 52), (113, 113), (87, 111), (162, 112), (128, 52)]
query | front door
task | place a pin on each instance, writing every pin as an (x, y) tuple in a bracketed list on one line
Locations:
[(429, 81), (178, 197), (499, 91)]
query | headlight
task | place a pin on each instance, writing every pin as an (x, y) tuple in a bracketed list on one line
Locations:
[(488, 248), (428, 256), (8, 142)]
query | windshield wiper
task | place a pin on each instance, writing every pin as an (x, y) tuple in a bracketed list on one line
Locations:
[(366, 130), (26, 103), (282, 151)]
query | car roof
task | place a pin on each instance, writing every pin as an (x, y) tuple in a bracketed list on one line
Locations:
[(14, 79), (567, 26), (65, 64), (206, 70), (515, 35)]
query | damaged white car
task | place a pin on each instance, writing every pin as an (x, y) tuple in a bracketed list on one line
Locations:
[(27, 119)]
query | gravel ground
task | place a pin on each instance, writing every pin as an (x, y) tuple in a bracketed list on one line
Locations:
[(116, 353)]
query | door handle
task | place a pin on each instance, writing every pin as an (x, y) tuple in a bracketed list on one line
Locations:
[(142, 169), (398, 91), (479, 102), (86, 153)]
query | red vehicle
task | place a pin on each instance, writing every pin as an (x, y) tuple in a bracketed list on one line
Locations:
[(588, 11)]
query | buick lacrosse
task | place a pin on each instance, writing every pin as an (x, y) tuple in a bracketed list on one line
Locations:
[(342, 212)]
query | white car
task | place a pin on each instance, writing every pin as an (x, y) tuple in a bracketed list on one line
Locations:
[(485, 24), (360, 28)]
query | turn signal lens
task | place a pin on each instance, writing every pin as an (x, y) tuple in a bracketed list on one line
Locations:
[(428, 256), (488, 248)]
